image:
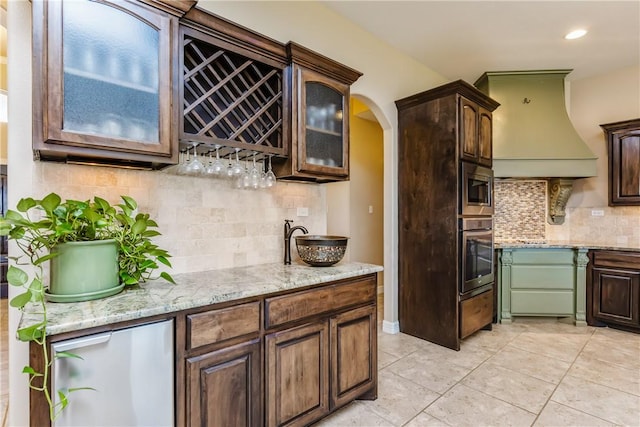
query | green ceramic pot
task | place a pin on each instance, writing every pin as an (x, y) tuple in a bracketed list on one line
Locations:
[(84, 271)]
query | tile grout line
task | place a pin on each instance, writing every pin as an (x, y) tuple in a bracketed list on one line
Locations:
[(440, 395), (560, 382)]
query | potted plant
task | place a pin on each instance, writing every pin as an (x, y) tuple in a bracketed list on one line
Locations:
[(51, 230)]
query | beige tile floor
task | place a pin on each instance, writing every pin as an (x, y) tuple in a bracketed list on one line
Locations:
[(540, 372), (534, 372)]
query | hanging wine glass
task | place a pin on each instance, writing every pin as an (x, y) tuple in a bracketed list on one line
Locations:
[(270, 177), (195, 166), (237, 168), (216, 166), (254, 174), (182, 163)]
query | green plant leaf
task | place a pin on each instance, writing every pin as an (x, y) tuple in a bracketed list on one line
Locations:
[(25, 204), (29, 370), (150, 233), (17, 233), (127, 279), (30, 333), (16, 276), (166, 276), (66, 354), (35, 286), (44, 258), (19, 301), (139, 227), (101, 203), (91, 215), (164, 260), (131, 204), (13, 216), (63, 401), (64, 228), (71, 390), (5, 227), (50, 202)]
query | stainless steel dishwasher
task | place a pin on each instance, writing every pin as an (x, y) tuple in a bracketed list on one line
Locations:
[(131, 371)]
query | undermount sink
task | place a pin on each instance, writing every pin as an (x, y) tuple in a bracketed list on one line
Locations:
[(321, 251)]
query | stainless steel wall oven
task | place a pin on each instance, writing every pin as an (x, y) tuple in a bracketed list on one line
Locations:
[(477, 254)]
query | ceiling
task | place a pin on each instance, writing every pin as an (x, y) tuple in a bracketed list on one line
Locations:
[(463, 39)]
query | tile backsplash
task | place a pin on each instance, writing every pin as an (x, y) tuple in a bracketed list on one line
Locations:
[(520, 214), (205, 223), (520, 210)]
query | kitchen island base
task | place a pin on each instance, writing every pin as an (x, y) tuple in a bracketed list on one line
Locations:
[(549, 282)]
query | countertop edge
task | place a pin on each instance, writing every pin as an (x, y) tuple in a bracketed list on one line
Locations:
[(563, 245), (194, 290)]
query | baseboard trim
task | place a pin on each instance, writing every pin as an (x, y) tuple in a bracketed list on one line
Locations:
[(390, 327)]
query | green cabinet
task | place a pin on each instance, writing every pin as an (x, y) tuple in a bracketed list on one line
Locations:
[(542, 282)]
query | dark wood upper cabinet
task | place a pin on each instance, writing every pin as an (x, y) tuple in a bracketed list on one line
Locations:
[(475, 133), (319, 87), (623, 143), (103, 82)]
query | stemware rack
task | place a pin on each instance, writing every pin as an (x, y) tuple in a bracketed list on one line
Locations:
[(225, 151)]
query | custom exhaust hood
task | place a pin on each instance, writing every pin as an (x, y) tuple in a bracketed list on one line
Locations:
[(533, 136)]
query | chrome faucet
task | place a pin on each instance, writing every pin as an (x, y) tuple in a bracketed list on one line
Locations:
[(288, 231)]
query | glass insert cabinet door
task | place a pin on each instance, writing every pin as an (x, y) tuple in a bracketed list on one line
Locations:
[(109, 76), (323, 136)]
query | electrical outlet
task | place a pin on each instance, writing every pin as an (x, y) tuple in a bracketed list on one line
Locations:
[(597, 212), (303, 212), (370, 209)]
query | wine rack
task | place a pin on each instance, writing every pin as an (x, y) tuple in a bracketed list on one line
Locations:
[(231, 100)]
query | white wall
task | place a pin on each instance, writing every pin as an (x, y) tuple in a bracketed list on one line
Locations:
[(388, 75)]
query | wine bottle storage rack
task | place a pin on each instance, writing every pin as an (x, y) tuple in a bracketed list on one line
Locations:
[(231, 100)]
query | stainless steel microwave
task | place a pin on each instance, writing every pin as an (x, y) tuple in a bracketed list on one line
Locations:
[(476, 197)]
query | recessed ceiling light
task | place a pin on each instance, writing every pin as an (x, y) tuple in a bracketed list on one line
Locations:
[(576, 34)]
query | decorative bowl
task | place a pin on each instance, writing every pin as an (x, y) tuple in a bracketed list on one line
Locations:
[(321, 251)]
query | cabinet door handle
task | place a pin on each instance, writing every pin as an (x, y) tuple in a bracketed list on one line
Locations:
[(82, 342)]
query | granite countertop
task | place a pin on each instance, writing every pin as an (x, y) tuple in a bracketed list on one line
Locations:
[(192, 290), (566, 244)]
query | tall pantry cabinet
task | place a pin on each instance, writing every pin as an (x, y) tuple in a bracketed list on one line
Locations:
[(436, 131)]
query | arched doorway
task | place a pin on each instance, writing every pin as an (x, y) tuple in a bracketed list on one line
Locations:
[(356, 208)]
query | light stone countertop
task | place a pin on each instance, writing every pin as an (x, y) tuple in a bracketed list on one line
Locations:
[(563, 244), (192, 290)]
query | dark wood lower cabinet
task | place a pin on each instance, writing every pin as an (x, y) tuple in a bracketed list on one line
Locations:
[(297, 363), (354, 358), (282, 360), (613, 289), (223, 387)]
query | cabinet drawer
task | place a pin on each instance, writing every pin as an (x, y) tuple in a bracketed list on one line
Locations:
[(542, 277), (218, 325), (541, 302), (617, 259), (475, 313), (543, 256), (289, 308)]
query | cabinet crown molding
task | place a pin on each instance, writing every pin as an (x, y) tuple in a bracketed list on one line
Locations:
[(247, 41), (313, 60), (175, 7), (456, 87)]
